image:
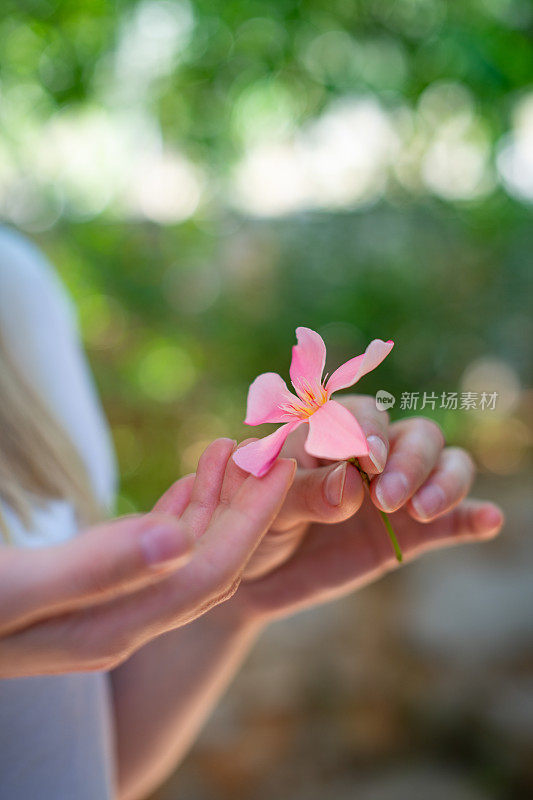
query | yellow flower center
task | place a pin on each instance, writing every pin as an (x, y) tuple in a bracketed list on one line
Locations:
[(311, 400)]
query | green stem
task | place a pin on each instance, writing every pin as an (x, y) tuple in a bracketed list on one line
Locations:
[(383, 515), (392, 535)]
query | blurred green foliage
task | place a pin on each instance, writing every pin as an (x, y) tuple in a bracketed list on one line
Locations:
[(396, 48), (179, 318)]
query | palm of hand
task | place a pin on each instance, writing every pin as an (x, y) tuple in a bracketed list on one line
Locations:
[(285, 538), (308, 558)]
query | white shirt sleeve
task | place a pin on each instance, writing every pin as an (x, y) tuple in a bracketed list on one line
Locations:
[(38, 325)]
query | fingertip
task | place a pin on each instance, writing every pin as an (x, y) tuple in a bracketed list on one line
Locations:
[(343, 489), (377, 453), (226, 442), (281, 466), (245, 442), (223, 443), (488, 520), (333, 485), (390, 490), (215, 456), (284, 470), (354, 490), (175, 499), (428, 503), (291, 463)]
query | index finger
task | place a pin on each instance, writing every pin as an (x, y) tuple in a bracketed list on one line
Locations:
[(212, 574)]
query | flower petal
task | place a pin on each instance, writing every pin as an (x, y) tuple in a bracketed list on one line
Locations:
[(258, 457), (354, 369), (265, 396), (335, 433), (308, 360)]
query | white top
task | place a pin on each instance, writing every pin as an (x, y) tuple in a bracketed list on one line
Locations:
[(55, 731)]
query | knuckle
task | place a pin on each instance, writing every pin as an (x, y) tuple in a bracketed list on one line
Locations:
[(457, 468), (201, 502), (437, 432), (378, 422), (245, 515), (463, 455), (430, 429), (349, 401), (240, 516), (354, 402), (226, 495), (362, 404), (463, 521), (380, 416), (418, 465), (383, 417), (365, 399)]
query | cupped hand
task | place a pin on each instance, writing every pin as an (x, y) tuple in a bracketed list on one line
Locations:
[(89, 603), (328, 538)]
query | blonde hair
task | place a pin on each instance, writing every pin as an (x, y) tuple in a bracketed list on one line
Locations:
[(38, 461)]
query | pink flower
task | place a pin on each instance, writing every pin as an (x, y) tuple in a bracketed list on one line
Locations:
[(334, 433)]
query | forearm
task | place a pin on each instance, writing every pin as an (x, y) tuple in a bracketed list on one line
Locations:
[(165, 691)]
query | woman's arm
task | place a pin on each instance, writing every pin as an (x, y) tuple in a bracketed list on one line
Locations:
[(165, 691), (92, 602)]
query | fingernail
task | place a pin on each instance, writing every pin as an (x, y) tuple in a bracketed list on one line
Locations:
[(291, 461), (164, 543), (377, 452), (334, 484), (392, 490), (429, 501)]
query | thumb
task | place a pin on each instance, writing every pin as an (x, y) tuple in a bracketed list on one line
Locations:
[(325, 494), (106, 560)]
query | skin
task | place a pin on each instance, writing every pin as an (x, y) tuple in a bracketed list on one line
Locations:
[(326, 541), (88, 604), (172, 615)]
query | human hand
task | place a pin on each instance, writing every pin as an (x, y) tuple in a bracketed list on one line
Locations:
[(329, 540), (89, 603)]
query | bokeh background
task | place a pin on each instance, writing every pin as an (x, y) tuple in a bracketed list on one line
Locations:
[(208, 175)]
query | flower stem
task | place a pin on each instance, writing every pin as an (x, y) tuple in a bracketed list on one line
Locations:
[(385, 517), (392, 535)]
